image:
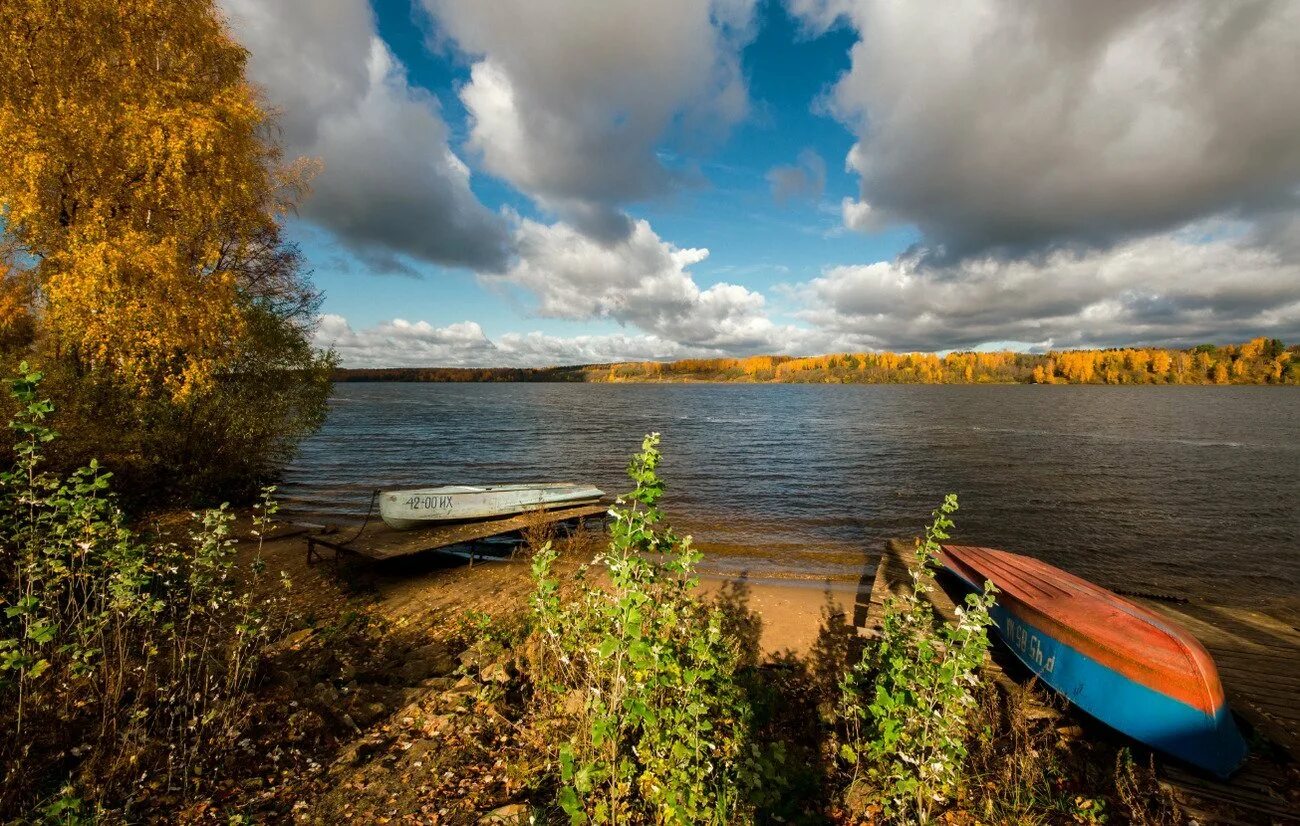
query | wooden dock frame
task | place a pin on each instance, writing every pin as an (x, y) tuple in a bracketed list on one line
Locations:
[(376, 541), (1259, 663)]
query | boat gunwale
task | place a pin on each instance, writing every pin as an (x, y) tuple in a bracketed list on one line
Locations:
[(453, 490)]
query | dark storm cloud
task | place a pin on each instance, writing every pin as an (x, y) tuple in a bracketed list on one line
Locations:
[(1007, 126), (390, 186)]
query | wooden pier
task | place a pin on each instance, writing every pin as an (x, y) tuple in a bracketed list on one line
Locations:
[(1258, 659), (375, 540)]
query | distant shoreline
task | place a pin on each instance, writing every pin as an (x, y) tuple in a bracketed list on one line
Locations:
[(1257, 362), (688, 381)]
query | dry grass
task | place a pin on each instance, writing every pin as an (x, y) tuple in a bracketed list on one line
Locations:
[(1141, 795), (1017, 759), (1032, 762), (576, 544)]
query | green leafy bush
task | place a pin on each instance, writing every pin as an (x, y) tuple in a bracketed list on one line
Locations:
[(639, 676), (120, 658), (224, 443), (907, 705)]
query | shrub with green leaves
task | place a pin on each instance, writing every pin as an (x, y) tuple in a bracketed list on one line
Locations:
[(119, 657), (637, 672), (907, 706)]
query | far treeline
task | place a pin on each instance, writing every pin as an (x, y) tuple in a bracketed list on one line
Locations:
[(1259, 361)]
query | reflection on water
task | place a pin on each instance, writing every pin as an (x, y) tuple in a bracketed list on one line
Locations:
[(1189, 488)]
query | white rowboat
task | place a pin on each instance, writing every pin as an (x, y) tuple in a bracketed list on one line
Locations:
[(420, 507)]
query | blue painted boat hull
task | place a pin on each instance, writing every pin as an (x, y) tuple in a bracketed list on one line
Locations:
[(1209, 741)]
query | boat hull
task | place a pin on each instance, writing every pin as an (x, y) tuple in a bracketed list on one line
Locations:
[(1199, 731), (421, 507)]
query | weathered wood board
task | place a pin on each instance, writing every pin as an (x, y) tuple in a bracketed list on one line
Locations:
[(379, 542)]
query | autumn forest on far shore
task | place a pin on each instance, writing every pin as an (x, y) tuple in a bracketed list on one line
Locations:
[(1259, 361)]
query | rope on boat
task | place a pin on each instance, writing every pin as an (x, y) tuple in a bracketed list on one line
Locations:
[(369, 511)]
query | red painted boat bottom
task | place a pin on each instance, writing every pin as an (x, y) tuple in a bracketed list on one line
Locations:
[(1118, 633)]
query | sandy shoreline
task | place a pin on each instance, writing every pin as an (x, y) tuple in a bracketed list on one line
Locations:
[(411, 591), (792, 611)]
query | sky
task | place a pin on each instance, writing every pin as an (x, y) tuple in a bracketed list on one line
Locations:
[(524, 183)]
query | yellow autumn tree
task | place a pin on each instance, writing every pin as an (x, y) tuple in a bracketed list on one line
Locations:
[(139, 182), (1253, 349), (1201, 364), (16, 321), (1276, 368), (1161, 361), (756, 365), (134, 168)]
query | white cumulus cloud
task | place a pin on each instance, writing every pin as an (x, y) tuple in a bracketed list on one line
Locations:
[(1204, 283), (571, 101), (640, 280), (401, 343)]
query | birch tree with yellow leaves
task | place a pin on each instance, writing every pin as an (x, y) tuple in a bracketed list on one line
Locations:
[(142, 193)]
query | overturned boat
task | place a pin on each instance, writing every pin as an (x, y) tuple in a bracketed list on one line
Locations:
[(420, 507), (1124, 664)]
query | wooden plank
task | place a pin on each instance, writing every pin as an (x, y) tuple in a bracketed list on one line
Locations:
[(1250, 682), (1280, 654), (1272, 704), (1254, 790), (1255, 661), (1265, 696), (377, 541), (1269, 695), (1247, 666)]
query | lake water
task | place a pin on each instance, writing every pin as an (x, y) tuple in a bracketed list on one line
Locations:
[(1189, 489)]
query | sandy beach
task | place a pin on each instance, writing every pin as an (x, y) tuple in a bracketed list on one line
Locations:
[(419, 591)]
